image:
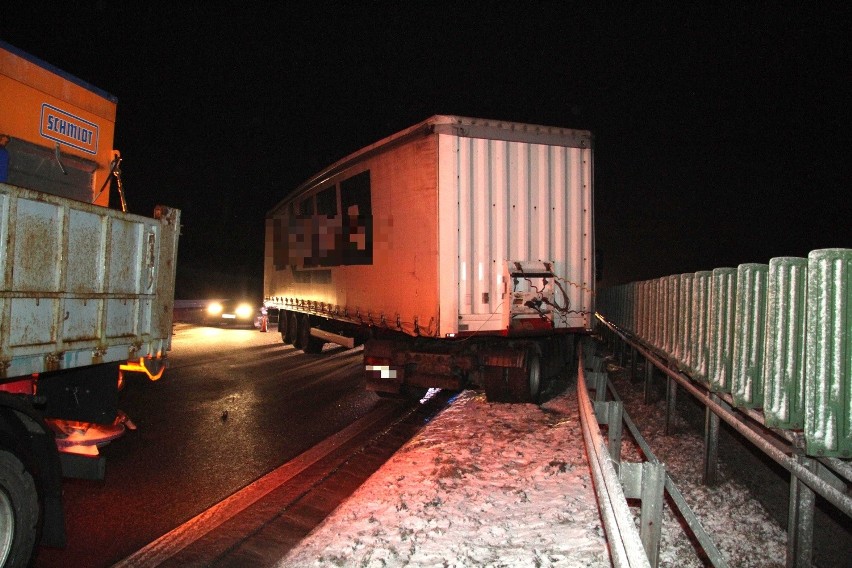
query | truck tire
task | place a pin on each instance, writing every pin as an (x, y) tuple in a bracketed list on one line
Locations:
[(304, 340), (289, 327), (19, 512), (314, 345), (514, 384), (525, 383), (495, 383)]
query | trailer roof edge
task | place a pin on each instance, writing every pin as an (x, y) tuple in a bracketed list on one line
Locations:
[(461, 126)]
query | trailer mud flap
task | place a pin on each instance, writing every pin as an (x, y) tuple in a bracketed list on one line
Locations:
[(83, 467), (86, 394)]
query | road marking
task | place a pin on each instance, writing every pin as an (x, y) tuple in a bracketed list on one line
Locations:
[(160, 550)]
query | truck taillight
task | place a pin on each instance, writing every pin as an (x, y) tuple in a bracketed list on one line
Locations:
[(24, 386)]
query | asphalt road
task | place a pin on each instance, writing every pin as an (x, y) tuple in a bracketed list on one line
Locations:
[(233, 405)]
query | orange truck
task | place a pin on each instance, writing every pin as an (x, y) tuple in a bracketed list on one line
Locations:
[(459, 251), (87, 294)]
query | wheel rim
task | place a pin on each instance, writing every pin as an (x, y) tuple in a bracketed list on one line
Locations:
[(7, 527)]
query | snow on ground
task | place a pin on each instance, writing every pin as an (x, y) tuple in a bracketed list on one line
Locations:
[(742, 529), (508, 485), (482, 485)]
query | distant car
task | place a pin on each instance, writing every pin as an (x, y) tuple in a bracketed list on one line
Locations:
[(231, 312)]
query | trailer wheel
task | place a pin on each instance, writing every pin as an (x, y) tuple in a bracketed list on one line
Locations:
[(514, 384), (304, 340), (289, 326), (495, 382), (525, 383), (302, 331), (19, 512), (530, 381)]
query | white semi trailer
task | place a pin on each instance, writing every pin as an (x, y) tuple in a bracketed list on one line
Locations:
[(459, 251)]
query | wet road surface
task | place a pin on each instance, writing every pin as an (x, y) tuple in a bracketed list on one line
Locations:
[(233, 405)]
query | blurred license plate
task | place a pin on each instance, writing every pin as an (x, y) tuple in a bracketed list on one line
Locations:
[(229, 316)]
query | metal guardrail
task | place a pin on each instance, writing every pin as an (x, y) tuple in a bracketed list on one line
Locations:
[(646, 481), (825, 489), (711, 550), (626, 548), (811, 475)]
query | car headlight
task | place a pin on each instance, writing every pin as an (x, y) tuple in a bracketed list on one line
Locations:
[(214, 309), (243, 311)]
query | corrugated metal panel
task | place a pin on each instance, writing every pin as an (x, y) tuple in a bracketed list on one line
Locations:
[(684, 326), (617, 302), (672, 299), (642, 310), (783, 369), (699, 336), (828, 431), (521, 201), (652, 311), (722, 310), (648, 326), (749, 335), (660, 314), (663, 314), (635, 304), (776, 336)]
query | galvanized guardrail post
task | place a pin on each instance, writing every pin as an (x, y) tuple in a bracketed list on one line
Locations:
[(671, 404), (646, 481), (711, 443), (649, 381), (800, 517), (610, 414)]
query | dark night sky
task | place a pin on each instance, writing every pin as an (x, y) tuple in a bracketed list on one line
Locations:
[(722, 135)]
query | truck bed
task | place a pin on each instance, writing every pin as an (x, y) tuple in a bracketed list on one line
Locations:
[(82, 284)]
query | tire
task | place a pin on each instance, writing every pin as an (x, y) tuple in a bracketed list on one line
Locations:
[(525, 383), (533, 376), (19, 512), (303, 331), (304, 340), (495, 382), (314, 345), (289, 327)]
